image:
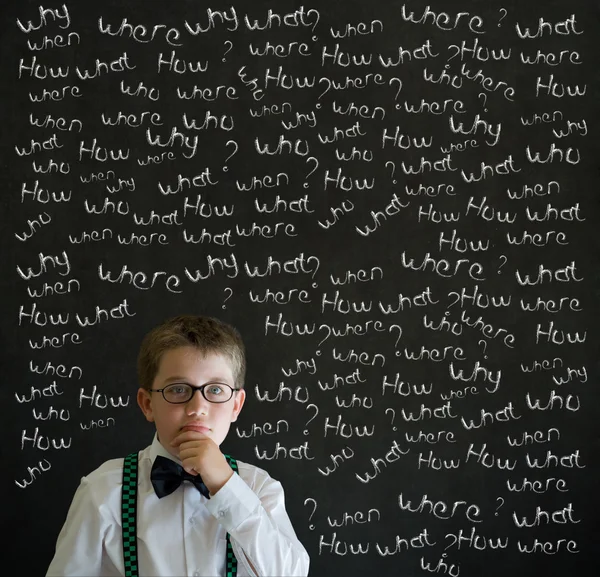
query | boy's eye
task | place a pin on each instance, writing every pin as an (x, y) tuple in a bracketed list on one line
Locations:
[(214, 390), (178, 389)]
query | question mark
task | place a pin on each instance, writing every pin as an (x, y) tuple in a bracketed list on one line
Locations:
[(229, 50), (484, 347), (227, 289), (505, 259), (498, 507), (393, 169), (312, 418), (399, 334), (503, 16), (225, 169), (484, 99), (393, 417), (311, 527), (399, 86), (313, 170)]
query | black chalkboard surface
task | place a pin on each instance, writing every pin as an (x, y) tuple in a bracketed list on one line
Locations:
[(396, 203)]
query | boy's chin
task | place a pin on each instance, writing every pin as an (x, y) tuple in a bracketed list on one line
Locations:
[(167, 446)]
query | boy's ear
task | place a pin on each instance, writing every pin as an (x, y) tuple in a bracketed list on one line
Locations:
[(144, 400), (238, 403)]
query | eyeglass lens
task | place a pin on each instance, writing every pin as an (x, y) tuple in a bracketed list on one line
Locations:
[(182, 392)]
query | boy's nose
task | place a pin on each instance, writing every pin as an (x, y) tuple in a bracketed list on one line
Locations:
[(197, 404)]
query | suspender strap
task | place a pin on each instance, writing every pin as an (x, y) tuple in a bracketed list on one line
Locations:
[(230, 560), (129, 518), (129, 515)]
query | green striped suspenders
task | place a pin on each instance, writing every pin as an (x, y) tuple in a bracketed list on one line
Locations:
[(129, 518)]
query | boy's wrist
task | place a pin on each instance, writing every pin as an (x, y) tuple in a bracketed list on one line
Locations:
[(215, 483)]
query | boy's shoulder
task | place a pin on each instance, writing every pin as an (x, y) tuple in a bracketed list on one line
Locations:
[(109, 474), (255, 477), (251, 469), (111, 471), (108, 468), (100, 489)]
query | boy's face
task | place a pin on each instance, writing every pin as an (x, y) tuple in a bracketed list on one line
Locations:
[(188, 365)]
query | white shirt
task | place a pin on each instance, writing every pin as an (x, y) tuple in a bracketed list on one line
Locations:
[(183, 533)]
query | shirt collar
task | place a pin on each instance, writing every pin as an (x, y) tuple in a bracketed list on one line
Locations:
[(156, 448)]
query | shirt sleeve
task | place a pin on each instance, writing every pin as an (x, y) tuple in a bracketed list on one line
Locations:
[(80, 542), (261, 532)]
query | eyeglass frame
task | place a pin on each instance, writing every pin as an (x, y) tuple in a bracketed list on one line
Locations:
[(194, 389)]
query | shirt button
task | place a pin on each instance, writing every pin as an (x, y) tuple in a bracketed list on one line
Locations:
[(196, 573), (221, 513), (192, 521)]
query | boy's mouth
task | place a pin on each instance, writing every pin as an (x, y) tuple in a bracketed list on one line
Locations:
[(197, 428)]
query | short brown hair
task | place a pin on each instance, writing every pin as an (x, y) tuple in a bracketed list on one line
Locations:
[(207, 334)]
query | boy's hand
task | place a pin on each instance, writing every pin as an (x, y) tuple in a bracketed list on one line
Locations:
[(200, 455)]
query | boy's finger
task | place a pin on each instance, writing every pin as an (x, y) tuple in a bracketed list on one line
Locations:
[(188, 436)]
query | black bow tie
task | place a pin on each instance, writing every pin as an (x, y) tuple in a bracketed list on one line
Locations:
[(167, 475)]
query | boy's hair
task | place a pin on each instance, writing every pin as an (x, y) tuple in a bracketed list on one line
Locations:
[(207, 334)]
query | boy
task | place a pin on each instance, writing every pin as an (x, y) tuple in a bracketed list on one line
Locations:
[(191, 372)]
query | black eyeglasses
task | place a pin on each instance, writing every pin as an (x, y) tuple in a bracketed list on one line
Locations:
[(178, 393)]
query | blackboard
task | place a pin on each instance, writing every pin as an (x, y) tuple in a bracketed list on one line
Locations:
[(396, 203)]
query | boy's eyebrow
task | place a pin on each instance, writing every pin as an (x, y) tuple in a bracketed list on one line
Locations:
[(186, 379)]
